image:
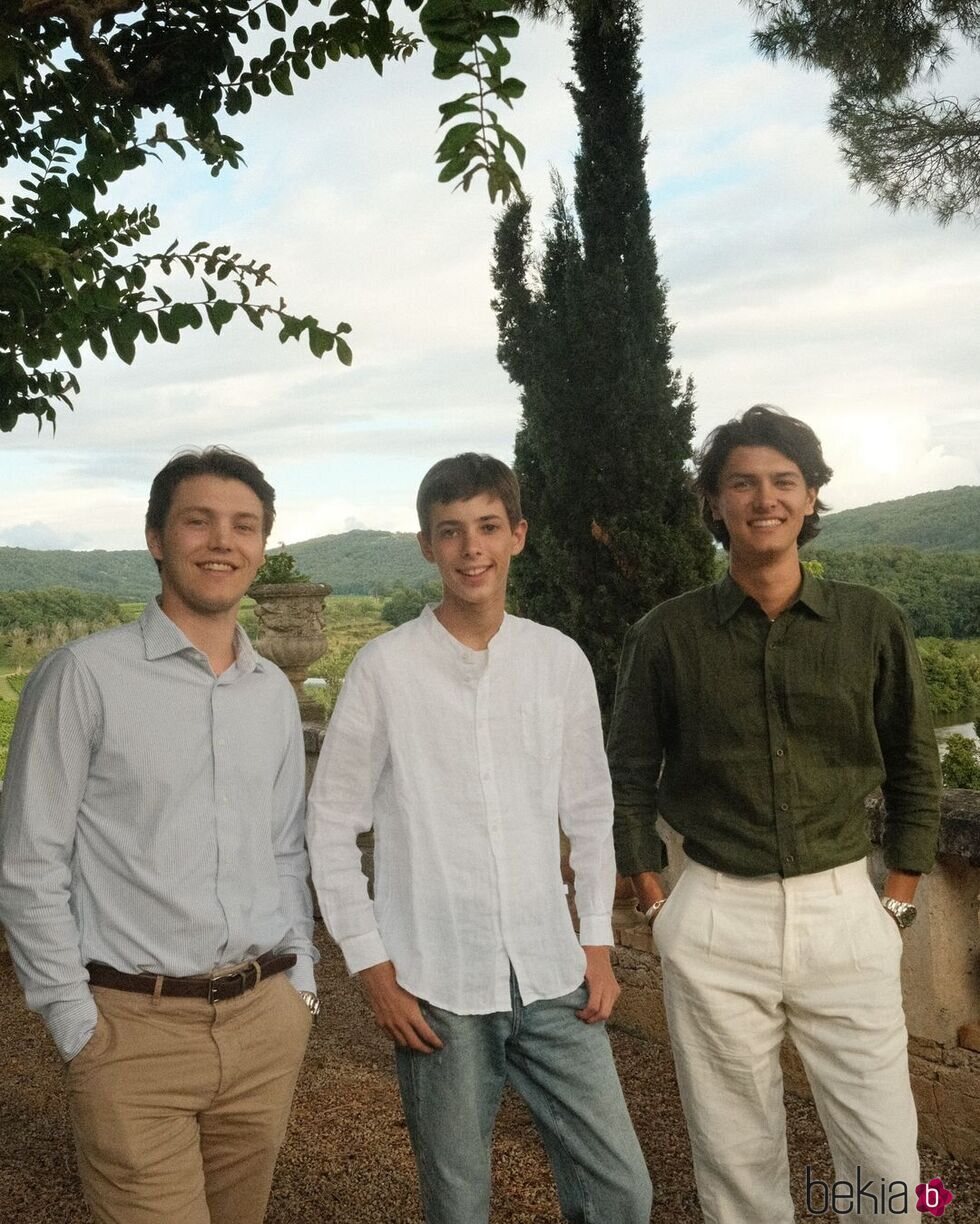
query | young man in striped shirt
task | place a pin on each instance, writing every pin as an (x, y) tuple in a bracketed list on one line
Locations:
[(153, 874)]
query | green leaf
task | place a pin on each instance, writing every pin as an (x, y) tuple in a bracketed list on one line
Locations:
[(280, 79), (275, 16), (511, 88), (504, 27), (122, 343), (219, 312), (456, 139), (344, 351), (462, 104), (519, 150), (455, 167), (321, 341), (97, 343), (168, 327), (148, 328)]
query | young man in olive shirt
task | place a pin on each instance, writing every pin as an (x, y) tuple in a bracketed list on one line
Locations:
[(756, 715)]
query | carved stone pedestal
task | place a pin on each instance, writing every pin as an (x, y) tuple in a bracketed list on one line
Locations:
[(291, 633)]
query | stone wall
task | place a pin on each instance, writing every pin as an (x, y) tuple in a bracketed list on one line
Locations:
[(940, 980)]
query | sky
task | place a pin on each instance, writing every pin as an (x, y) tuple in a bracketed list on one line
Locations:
[(785, 285)]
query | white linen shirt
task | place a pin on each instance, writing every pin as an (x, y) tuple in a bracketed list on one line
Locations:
[(151, 819), (465, 762)]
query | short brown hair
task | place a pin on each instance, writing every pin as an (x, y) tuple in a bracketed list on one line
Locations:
[(211, 461), (464, 476), (761, 425)]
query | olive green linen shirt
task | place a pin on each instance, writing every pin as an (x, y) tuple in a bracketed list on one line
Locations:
[(771, 734)]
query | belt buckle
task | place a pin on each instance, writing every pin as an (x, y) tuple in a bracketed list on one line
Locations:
[(241, 974)]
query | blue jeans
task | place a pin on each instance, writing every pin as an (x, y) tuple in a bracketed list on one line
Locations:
[(564, 1071)]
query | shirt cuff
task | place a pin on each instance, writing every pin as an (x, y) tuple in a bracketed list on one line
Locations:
[(595, 929), (301, 974), (363, 951), (71, 1024)]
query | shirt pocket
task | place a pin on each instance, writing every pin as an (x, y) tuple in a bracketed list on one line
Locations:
[(541, 725)]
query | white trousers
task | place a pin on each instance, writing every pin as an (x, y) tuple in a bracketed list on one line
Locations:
[(749, 961)]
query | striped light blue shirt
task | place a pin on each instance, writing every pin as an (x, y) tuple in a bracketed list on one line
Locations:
[(151, 818)]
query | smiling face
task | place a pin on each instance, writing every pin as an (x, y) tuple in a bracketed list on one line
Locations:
[(472, 542), (209, 548), (763, 500)]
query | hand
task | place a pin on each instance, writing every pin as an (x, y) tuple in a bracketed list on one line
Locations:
[(602, 984), (396, 1010)]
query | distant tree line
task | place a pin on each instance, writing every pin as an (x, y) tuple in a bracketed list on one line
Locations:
[(939, 592), (54, 606)]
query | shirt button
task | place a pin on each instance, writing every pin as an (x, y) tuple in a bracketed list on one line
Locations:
[(789, 860), (784, 807), (779, 752)]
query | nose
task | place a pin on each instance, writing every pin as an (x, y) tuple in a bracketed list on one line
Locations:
[(219, 537), (471, 541), (765, 493)]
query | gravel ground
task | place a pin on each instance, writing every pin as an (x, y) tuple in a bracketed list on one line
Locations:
[(347, 1160)]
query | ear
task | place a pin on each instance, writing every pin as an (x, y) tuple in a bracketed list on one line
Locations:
[(713, 503), (811, 499), (425, 544), (154, 544), (519, 538)]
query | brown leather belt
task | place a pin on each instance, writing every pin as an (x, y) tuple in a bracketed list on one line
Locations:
[(215, 989)]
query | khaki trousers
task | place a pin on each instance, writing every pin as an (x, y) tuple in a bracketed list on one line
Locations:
[(747, 962), (179, 1106)]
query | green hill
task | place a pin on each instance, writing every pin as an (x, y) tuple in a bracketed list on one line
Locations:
[(127, 574), (364, 562), (354, 563), (947, 521)]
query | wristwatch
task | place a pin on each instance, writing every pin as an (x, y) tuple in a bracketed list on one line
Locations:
[(312, 1002), (655, 909), (903, 912)]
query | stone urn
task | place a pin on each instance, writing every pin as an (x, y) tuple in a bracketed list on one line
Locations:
[(291, 633)]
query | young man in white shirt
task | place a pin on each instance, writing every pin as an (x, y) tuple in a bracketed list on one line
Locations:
[(465, 738)]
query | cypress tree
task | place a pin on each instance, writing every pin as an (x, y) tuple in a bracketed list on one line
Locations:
[(606, 424)]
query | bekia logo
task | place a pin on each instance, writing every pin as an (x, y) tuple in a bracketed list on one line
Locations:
[(934, 1198), (873, 1197)]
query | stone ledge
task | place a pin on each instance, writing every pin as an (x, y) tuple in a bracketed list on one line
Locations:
[(959, 830)]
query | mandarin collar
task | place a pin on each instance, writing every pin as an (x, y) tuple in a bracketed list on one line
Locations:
[(440, 633)]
